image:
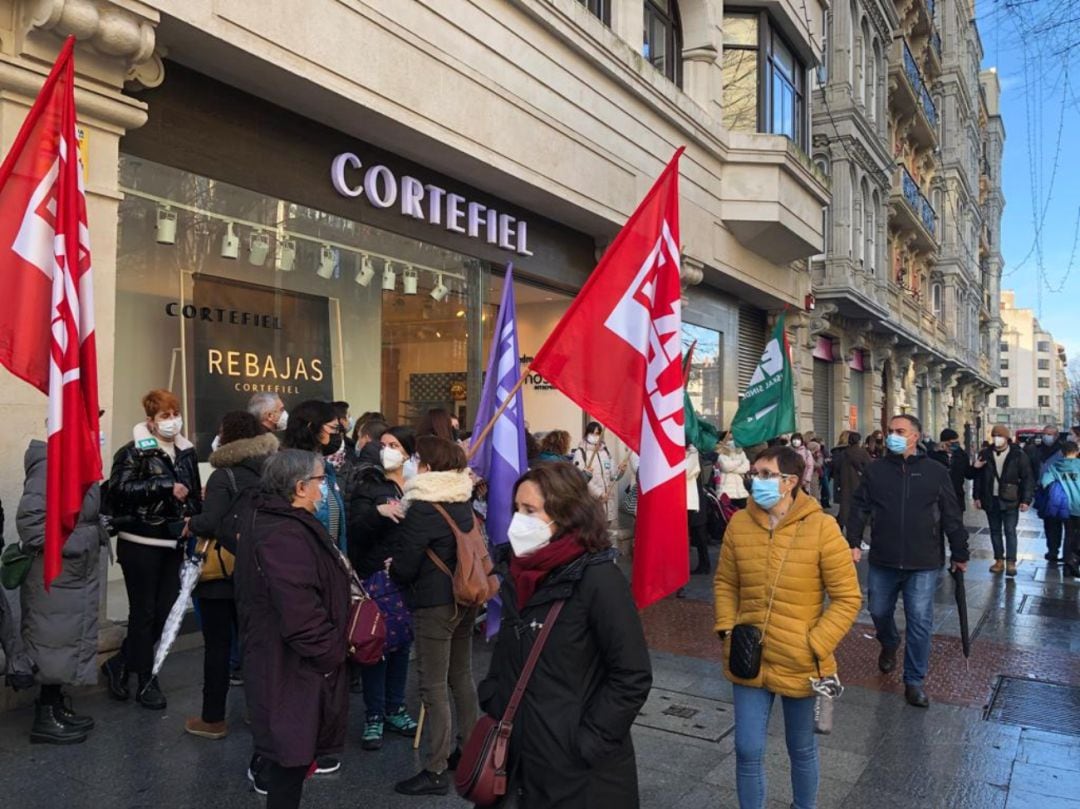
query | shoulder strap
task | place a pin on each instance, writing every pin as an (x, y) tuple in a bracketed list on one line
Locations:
[(776, 581), (434, 557), (530, 664), (232, 481)]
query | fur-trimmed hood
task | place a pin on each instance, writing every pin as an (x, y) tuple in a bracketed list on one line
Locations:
[(439, 487), (142, 432), (245, 449)]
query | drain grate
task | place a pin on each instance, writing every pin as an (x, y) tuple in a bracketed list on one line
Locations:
[(1036, 704), (687, 715), (1028, 533), (1050, 607)]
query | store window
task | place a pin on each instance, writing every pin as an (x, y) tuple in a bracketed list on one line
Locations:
[(662, 45), (773, 102), (223, 292), (704, 380)]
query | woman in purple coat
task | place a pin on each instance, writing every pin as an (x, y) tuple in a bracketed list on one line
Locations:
[(292, 593)]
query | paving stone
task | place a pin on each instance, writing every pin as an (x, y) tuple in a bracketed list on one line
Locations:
[(1043, 780)]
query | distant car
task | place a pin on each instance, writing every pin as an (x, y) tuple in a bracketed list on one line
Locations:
[(1025, 434)]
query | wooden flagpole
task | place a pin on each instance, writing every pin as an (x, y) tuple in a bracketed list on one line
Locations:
[(477, 440)]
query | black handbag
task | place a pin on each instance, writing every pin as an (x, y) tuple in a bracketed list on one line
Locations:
[(744, 656)]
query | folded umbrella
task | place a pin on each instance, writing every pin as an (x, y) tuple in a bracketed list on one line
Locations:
[(189, 577), (961, 609)]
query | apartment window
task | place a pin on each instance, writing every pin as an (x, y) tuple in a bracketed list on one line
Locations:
[(601, 9), (1004, 382), (773, 101), (1002, 401), (1044, 401), (663, 38), (1044, 381), (1004, 364), (1044, 365), (1044, 347), (935, 299), (1003, 348)]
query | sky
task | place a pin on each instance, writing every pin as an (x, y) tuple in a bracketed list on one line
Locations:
[(1030, 42)]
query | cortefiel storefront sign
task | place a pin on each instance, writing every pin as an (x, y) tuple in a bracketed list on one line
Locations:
[(248, 339), (428, 202)]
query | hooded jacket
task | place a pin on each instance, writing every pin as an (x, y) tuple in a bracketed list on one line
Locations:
[(292, 598), (1040, 454), (141, 500), (795, 565), (60, 626), (571, 747), (371, 535), (1066, 471), (423, 527), (909, 500)]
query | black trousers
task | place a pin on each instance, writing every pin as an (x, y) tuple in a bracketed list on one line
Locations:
[(699, 538), (1054, 529), (285, 786), (152, 581), (218, 616)]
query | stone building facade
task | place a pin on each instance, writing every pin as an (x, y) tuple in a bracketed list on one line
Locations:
[(906, 288)]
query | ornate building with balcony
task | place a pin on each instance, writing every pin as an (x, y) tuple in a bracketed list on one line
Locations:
[(905, 289)]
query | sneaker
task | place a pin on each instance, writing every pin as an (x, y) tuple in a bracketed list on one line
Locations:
[(206, 730), (399, 721), (373, 733), (324, 765), (424, 782), (236, 678), (255, 775)]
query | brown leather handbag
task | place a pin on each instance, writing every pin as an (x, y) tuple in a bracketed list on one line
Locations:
[(481, 775)]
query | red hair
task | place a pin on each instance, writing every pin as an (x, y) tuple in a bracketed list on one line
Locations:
[(160, 400)]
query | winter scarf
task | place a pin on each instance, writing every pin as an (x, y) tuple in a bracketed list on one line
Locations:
[(529, 571)]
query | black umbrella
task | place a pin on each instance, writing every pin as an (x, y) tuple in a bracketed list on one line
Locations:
[(961, 609)]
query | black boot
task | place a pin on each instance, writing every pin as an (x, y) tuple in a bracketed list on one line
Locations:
[(67, 715), (116, 676), (48, 728), (149, 693), (424, 782)]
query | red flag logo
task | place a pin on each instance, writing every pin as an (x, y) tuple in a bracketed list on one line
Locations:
[(47, 328), (618, 354)]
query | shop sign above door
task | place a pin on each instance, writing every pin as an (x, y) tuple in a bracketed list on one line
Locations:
[(428, 202)]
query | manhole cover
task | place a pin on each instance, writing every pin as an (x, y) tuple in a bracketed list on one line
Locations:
[(1036, 704), (1028, 533), (687, 715), (1050, 607)]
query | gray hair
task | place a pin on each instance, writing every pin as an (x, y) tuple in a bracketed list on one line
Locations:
[(284, 469), (262, 403)]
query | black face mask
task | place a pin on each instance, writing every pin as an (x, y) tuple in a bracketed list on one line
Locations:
[(333, 445)]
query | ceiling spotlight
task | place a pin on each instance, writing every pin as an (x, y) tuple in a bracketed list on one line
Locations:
[(366, 271), (409, 280), (327, 261), (258, 248), (440, 291), (286, 255), (389, 278), (230, 243), (166, 225)]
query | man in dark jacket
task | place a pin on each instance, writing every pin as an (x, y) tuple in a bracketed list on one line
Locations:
[(953, 457), (1004, 486), (1041, 454), (908, 496)]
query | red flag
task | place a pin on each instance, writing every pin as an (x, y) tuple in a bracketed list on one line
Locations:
[(47, 321), (617, 352)]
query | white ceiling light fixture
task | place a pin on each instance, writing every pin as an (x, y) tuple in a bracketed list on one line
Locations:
[(166, 225), (327, 261), (409, 280), (286, 255), (366, 272), (389, 278), (440, 291), (258, 248), (230, 242)]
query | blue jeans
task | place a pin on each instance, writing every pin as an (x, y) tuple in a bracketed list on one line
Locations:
[(752, 708), (384, 683), (1000, 518), (918, 586)]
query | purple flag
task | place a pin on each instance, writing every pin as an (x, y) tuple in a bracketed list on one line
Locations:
[(501, 458)]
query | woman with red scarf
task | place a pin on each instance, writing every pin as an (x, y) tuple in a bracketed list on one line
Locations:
[(571, 743)]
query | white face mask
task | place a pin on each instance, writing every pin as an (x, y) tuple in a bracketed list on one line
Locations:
[(528, 534), (592, 439), (170, 428), (410, 469), (1000, 441), (796, 442), (392, 459), (282, 421)]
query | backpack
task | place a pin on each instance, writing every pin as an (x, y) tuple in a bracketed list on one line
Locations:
[(221, 551), (1057, 502), (474, 580)]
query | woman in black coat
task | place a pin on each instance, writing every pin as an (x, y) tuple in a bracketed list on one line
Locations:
[(571, 745), (243, 448), (374, 514), (292, 596)]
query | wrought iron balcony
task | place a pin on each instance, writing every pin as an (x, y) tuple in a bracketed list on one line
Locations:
[(935, 43), (910, 212), (914, 75), (919, 203)]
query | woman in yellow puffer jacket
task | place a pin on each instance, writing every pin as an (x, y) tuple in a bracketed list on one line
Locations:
[(781, 556)]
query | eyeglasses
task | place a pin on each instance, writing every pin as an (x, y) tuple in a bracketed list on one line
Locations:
[(314, 477), (765, 474)]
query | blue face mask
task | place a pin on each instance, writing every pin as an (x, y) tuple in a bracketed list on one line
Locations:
[(896, 443), (324, 490), (1048, 440), (766, 493)]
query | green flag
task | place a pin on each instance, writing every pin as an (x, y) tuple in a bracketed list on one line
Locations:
[(767, 408), (700, 433)]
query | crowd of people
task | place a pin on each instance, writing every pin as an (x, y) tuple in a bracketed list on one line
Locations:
[(303, 507)]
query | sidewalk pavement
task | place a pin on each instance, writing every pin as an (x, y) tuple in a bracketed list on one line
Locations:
[(882, 753)]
